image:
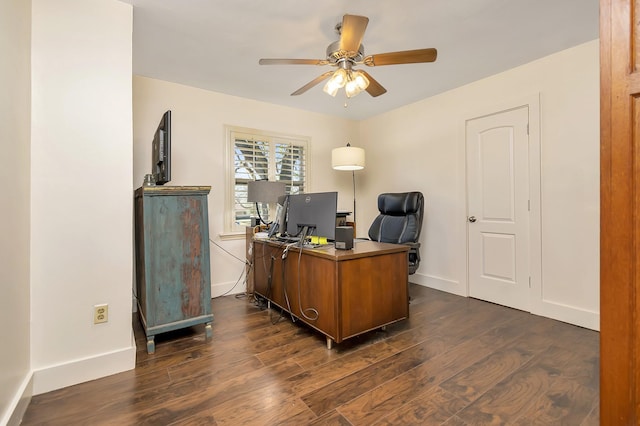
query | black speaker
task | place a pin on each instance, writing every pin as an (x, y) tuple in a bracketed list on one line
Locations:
[(344, 237)]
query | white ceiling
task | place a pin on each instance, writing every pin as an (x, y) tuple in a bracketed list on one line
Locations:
[(216, 44)]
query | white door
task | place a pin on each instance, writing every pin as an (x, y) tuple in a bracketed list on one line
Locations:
[(498, 207)]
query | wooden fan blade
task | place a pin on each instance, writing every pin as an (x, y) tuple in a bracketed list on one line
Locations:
[(293, 62), (404, 57), (312, 83), (352, 32), (374, 88)]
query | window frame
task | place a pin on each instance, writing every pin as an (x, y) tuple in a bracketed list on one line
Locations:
[(230, 229)]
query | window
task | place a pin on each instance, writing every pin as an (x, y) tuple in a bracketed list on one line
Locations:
[(257, 155)]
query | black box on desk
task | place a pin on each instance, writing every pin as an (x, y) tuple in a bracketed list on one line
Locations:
[(344, 237)]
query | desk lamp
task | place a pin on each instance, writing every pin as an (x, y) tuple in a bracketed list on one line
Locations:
[(263, 191), (348, 158)]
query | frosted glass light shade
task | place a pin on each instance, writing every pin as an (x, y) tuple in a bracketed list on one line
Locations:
[(356, 83), (347, 158), (337, 81)]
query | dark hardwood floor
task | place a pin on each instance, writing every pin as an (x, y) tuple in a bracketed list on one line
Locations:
[(455, 361)]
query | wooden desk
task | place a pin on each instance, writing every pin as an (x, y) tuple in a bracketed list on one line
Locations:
[(352, 291)]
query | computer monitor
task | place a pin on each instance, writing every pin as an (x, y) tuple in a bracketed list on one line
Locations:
[(316, 211), (279, 225)]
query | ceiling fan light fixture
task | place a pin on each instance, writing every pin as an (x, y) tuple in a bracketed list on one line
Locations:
[(336, 82), (347, 52), (330, 89), (361, 80), (357, 82), (351, 89)]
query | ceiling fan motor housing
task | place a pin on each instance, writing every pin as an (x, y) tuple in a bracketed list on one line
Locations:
[(335, 54)]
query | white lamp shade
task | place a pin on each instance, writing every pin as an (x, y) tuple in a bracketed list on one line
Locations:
[(347, 158), (264, 191)]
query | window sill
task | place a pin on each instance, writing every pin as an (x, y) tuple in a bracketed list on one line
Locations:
[(232, 236)]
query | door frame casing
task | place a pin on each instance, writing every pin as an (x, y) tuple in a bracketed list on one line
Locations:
[(619, 213), (532, 102)]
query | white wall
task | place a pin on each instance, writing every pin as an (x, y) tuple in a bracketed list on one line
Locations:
[(197, 149), (67, 225), (81, 198), (419, 147), (15, 38), (568, 86)]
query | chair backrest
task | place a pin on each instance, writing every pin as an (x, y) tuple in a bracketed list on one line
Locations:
[(400, 218)]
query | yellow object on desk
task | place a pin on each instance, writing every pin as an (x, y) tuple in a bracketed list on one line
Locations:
[(318, 240)]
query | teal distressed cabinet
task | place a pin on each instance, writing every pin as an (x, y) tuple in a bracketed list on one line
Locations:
[(173, 276)]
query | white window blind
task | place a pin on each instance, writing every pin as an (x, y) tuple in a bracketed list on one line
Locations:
[(260, 156)]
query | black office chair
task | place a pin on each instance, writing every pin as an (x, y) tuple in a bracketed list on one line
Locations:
[(400, 222)]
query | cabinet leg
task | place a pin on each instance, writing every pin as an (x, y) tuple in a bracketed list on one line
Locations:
[(208, 331), (329, 343), (151, 344)]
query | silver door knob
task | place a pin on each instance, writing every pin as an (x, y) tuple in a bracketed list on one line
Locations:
[(472, 219)]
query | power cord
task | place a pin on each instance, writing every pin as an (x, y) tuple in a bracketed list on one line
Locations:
[(226, 251), (284, 287), (310, 313), (248, 266), (313, 311), (313, 316), (234, 286)]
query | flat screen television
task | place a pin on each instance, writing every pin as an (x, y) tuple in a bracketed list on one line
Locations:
[(316, 211), (161, 152)]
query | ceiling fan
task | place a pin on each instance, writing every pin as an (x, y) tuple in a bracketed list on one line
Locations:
[(348, 52)]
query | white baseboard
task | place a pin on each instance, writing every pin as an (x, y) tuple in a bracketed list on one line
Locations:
[(438, 283), (546, 308), (566, 313), (83, 370), (220, 289), (17, 408)]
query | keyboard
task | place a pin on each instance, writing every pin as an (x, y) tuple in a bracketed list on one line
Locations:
[(288, 239)]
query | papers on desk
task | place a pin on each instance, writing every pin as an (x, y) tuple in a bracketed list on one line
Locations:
[(318, 240)]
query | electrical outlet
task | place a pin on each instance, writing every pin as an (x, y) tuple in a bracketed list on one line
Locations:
[(100, 313)]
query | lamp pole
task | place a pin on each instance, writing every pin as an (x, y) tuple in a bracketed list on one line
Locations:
[(353, 174), (349, 158)]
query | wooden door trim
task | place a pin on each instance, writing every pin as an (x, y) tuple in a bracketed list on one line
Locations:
[(619, 219)]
